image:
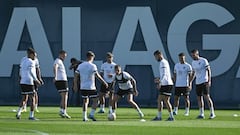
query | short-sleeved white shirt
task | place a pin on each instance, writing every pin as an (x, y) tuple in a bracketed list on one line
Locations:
[(61, 72), (106, 69), (165, 74), (27, 71), (182, 72), (200, 68), (127, 85), (87, 71), (37, 65)]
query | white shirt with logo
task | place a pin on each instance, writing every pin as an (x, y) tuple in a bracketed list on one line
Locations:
[(200, 68), (165, 74), (61, 72), (182, 72), (108, 69), (87, 71)]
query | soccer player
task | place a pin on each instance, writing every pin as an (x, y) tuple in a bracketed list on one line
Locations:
[(87, 71), (108, 74), (38, 72), (61, 82), (183, 83), (27, 80), (75, 96), (126, 86), (202, 72), (164, 85)]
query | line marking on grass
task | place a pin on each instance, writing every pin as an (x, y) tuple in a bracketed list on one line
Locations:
[(26, 130)]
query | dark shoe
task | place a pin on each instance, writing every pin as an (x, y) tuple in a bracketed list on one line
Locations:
[(32, 118), (157, 119), (174, 113), (85, 120), (170, 119), (101, 111), (212, 116), (18, 117), (200, 117), (92, 118)]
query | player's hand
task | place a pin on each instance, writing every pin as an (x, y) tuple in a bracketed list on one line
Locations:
[(37, 82), (106, 84), (190, 87), (158, 86), (208, 83), (41, 81), (157, 80), (135, 93)]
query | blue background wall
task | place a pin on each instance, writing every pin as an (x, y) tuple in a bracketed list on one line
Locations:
[(99, 28)]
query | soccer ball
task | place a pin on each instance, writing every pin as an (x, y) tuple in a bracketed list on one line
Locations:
[(111, 116)]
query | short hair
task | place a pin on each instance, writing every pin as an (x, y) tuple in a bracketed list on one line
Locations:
[(62, 52), (194, 51), (90, 54), (109, 54), (73, 60), (157, 52), (117, 67), (181, 54), (31, 51)]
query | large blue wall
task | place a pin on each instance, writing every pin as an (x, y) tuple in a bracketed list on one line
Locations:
[(132, 30)]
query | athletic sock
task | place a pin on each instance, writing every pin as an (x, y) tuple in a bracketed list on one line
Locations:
[(212, 110), (176, 109), (84, 114), (187, 110), (31, 115), (64, 111), (110, 109), (19, 110), (102, 106), (201, 111), (159, 115), (171, 114), (92, 112)]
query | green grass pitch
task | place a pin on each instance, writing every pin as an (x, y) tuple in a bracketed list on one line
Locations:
[(127, 123)]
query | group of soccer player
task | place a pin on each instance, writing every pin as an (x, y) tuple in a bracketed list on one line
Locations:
[(110, 74)]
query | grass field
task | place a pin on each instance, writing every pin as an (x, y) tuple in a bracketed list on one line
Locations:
[(226, 123)]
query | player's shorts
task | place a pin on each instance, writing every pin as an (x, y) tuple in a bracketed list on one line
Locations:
[(182, 91), (166, 90), (27, 89), (61, 86), (202, 88), (88, 93), (121, 92), (105, 90)]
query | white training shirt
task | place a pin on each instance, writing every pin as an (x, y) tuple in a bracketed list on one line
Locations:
[(27, 71), (165, 74), (108, 69), (61, 72), (200, 68), (182, 72), (37, 65), (87, 71), (127, 85)]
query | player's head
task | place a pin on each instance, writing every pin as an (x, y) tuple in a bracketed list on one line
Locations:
[(62, 54), (73, 60), (90, 56), (181, 57), (158, 55), (195, 54), (117, 69), (109, 57), (31, 53)]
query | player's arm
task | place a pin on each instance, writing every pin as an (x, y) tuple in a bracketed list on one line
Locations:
[(209, 75), (33, 75), (55, 67), (135, 91), (39, 76), (101, 79), (76, 81)]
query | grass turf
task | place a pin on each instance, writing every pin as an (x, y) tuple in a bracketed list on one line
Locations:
[(127, 123)]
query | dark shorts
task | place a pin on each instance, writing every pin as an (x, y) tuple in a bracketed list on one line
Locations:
[(166, 90), (27, 89), (88, 93), (202, 89), (121, 92), (61, 86), (106, 90), (182, 91)]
